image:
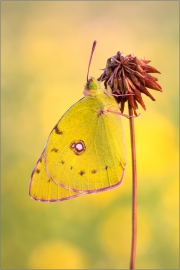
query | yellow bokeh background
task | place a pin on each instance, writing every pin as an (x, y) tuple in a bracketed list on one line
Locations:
[(45, 50)]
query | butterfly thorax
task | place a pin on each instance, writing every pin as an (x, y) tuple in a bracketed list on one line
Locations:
[(93, 90)]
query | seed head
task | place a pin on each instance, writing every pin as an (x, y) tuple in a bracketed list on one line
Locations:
[(129, 75)]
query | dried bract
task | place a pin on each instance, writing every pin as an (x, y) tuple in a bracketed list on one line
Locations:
[(129, 75)]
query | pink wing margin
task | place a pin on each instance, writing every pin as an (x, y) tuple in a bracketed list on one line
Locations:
[(63, 189)]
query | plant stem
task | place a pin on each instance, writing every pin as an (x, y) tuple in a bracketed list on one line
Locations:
[(134, 191)]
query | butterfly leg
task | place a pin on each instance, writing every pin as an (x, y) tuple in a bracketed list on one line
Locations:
[(125, 115), (103, 111)]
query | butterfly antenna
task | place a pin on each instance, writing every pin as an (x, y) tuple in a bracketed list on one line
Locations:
[(93, 47)]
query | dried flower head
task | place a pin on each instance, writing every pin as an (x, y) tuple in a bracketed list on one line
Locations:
[(129, 75)]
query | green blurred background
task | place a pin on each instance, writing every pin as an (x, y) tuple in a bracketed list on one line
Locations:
[(45, 52)]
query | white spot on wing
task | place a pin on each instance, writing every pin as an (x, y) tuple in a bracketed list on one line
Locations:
[(79, 146)]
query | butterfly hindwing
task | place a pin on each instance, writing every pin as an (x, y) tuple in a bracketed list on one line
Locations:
[(85, 151)]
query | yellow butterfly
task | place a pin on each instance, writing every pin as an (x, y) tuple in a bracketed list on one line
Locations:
[(85, 152)]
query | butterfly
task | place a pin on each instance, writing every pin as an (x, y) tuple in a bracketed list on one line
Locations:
[(85, 151)]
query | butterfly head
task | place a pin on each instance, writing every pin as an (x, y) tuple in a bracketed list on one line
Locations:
[(92, 87)]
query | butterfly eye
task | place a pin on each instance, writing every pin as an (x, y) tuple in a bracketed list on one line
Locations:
[(92, 86)]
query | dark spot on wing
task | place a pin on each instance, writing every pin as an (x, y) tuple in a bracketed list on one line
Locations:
[(57, 130), (49, 180), (37, 171), (54, 150), (62, 161), (81, 173), (71, 168), (40, 160), (106, 167), (94, 171)]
